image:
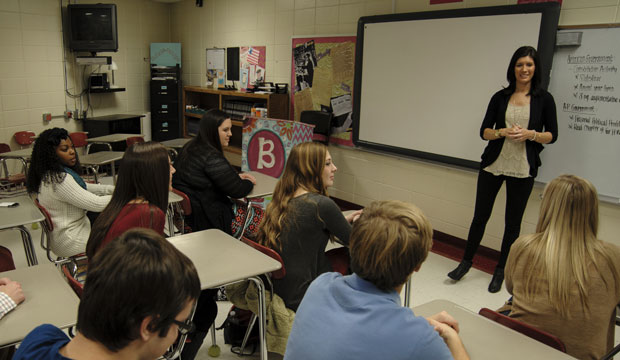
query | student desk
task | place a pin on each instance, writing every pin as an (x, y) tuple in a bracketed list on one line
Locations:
[(265, 185), (93, 161), (172, 200), (221, 259), (486, 339), (23, 155), (14, 218), (175, 144), (109, 139), (49, 300)]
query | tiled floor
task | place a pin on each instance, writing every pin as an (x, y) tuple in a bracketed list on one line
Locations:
[(428, 284)]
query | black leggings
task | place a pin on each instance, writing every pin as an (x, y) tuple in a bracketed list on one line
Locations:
[(518, 191)]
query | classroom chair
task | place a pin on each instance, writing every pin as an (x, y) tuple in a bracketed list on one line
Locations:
[(134, 139), (611, 353), (79, 140), (278, 274), (184, 208), (11, 183), (24, 138), (322, 124), (525, 329)]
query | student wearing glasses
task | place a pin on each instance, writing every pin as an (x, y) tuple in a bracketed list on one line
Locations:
[(138, 298)]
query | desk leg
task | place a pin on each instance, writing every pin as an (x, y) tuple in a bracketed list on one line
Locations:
[(262, 315), (407, 291), (248, 218), (31, 257), (175, 351), (170, 215), (113, 173)]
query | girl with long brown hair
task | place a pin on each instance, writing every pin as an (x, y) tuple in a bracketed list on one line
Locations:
[(301, 218)]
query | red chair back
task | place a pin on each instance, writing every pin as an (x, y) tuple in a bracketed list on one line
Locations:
[(525, 329), (134, 139), (79, 139), (24, 137), (186, 205), (49, 225), (278, 274), (77, 286), (4, 148)]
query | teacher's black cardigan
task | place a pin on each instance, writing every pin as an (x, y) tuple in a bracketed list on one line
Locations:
[(542, 118)]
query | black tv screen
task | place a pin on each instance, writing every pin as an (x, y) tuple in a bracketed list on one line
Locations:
[(92, 27)]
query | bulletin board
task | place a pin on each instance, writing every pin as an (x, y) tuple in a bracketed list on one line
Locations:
[(322, 78)]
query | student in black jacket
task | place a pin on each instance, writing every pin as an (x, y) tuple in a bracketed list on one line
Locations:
[(519, 119), (208, 179)]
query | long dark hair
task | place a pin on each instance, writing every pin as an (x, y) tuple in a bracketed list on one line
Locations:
[(524, 51), (45, 166), (208, 136), (144, 172)]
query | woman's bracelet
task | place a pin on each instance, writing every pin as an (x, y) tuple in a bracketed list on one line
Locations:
[(535, 134)]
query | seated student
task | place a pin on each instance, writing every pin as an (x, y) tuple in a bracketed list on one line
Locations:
[(140, 198), (359, 316), (563, 279), (53, 177), (138, 297), (208, 179), (11, 295), (301, 219)]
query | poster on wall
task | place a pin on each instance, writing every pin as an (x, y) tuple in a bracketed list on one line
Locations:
[(252, 60), (322, 79)]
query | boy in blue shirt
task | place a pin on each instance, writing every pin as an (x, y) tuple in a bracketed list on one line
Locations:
[(359, 316)]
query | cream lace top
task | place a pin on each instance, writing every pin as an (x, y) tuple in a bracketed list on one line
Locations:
[(512, 160)]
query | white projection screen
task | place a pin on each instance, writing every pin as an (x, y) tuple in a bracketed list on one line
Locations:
[(423, 80)]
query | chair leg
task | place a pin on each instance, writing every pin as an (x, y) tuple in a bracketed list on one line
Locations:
[(214, 349), (247, 332)]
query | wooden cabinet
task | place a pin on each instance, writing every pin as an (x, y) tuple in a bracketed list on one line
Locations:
[(235, 103)]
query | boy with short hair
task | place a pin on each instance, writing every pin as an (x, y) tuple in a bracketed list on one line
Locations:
[(139, 294), (359, 316)]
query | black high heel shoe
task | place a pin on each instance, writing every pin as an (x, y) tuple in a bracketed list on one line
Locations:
[(460, 270), (497, 280)]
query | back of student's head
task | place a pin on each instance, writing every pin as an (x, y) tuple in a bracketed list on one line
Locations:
[(303, 170), (44, 163), (388, 242), (138, 275), (569, 206), (144, 173)]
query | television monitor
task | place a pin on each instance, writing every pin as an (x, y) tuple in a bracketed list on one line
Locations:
[(92, 27), (232, 63)]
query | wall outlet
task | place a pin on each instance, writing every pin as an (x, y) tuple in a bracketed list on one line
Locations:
[(69, 114), (47, 117)]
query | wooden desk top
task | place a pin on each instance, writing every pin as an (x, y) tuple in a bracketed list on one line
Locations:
[(25, 213), (176, 143), (111, 138), (101, 158), (486, 339), (221, 259), (265, 185), (49, 300)]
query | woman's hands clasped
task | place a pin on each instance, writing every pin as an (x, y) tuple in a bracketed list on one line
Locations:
[(518, 134)]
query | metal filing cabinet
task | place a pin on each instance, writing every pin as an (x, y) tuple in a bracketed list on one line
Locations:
[(166, 102)]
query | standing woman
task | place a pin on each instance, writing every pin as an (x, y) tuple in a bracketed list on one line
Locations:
[(563, 279), (518, 121), (53, 177), (140, 198), (301, 219), (208, 179)]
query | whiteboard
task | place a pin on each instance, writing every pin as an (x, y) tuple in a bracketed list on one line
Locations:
[(585, 83), (424, 80)]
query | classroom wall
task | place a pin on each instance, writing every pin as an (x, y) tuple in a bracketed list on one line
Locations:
[(444, 193), (31, 63)]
